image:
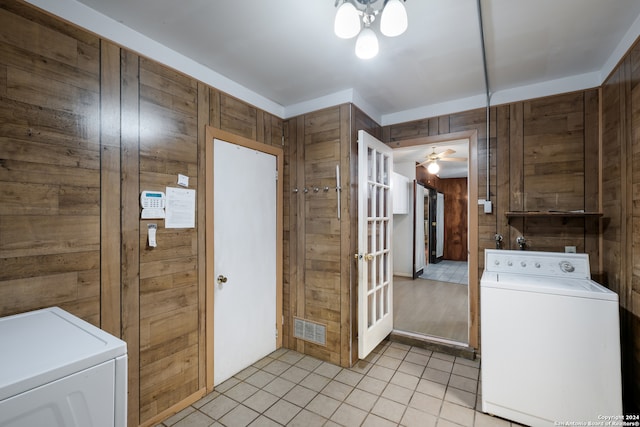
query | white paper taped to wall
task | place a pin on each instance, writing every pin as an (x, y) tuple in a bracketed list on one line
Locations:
[(180, 209)]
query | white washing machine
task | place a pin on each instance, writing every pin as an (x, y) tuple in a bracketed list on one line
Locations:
[(550, 340), (58, 370)]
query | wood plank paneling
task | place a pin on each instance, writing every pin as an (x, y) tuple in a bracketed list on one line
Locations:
[(49, 166), (110, 188), (168, 144), (130, 240), (620, 115)]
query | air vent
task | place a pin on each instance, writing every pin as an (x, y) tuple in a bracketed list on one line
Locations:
[(310, 331)]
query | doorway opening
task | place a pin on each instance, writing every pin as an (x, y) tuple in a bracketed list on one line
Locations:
[(438, 300)]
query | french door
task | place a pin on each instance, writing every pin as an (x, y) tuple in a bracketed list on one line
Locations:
[(374, 258)]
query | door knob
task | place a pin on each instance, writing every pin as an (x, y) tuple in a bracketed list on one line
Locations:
[(221, 279), (368, 257)]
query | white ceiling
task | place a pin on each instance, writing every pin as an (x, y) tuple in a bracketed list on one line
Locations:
[(419, 154), (283, 57)]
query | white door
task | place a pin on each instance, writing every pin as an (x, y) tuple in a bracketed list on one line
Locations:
[(375, 215), (244, 257)]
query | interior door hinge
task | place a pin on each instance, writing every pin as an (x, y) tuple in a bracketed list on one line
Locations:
[(276, 175), (276, 333)]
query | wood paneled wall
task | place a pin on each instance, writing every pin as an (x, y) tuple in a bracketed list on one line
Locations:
[(322, 277), (621, 207), (455, 220), (556, 137), (84, 127)]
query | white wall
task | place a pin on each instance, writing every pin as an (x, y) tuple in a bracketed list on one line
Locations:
[(403, 228)]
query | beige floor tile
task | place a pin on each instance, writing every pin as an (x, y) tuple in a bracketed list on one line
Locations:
[(415, 418), (240, 416), (484, 420), (436, 375), (460, 397), (241, 392), (426, 403), (372, 385), (361, 399), (307, 418), (348, 377), (376, 421), (439, 364), (315, 382), (463, 383), (337, 390), (282, 411), (327, 370), (457, 414), (397, 394), (263, 421), (388, 362), (432, 388), (396, 352), (405, 380), (323, 405), (277, 367), (397, 385), (260, 379), (388, 409), (195, 419), (309, 363), (300, 396), (411, 368), (279, 387), (348, 415), (294, 374), (381, 373), (260, 401), (219, 406)]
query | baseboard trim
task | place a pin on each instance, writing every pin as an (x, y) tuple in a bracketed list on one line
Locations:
[(441, 345)]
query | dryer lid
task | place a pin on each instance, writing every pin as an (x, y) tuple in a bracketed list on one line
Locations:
[(45, 345)]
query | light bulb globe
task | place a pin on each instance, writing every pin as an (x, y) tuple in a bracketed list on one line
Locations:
[(433, 168), (394, 19), (347, 22), (367, 44)]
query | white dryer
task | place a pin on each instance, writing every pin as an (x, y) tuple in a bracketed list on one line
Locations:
[(58, 370), (550, 340)]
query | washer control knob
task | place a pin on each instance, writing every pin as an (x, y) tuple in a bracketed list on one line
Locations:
[(509, 263), (496, 262), (523, 263), (567, 267), (537, 264)]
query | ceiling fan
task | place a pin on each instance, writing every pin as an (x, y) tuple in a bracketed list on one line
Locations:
[(433, 158)]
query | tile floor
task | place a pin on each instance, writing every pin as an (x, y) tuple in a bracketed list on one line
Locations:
[(448, 271), (397, 385)]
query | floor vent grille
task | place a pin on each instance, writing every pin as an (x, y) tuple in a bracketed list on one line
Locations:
[(310, 331)]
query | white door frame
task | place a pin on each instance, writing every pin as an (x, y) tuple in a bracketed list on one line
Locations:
[(472, 219), (211, 134)]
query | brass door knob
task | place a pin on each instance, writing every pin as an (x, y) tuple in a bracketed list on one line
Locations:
[(221, 279), (368, 257)]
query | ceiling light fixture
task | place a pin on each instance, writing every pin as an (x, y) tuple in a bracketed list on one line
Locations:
[(433, 168), (352, 15)]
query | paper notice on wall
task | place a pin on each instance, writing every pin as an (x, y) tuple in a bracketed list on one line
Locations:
[(180, 208)]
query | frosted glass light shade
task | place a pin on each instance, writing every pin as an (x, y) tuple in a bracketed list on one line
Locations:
[(394, 19), (367, 44), (433, 168), (347, 23)]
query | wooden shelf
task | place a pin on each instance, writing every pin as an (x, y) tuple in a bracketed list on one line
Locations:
[(552, 214)]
